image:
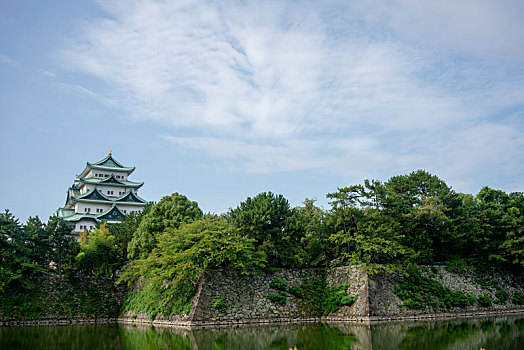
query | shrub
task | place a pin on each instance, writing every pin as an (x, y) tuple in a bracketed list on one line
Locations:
[(348, 299), (457, 265), (484, 300), (337, 297), (218, 303), (279, 298), (457, 298), (296, 292), (279, 283), (501, 295), (411, 304), (518, 299), (418, 292)]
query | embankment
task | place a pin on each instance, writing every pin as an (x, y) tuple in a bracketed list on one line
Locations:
[(226, 297), (346, 294), (54, 300)]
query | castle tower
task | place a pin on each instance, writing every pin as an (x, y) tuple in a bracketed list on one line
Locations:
[(101, 192)]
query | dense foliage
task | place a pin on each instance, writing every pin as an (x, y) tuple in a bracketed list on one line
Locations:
[(320, 298), (165, 250), (28, 250), (171, 212), (273, 225), (99, 253), (171, 272)]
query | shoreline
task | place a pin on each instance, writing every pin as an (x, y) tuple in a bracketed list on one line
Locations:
[(364, 320)]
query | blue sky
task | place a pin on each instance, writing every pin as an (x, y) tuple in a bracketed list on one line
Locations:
[(221, 100)]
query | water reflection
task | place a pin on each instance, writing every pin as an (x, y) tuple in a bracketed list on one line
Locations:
[(495, 333)]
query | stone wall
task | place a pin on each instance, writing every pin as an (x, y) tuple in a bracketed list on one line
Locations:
[(69, 300), (384, 303), (358, 282), (246, 298)]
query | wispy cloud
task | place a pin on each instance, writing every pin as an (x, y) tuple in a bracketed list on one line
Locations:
[(482, 28), (277, 86), (47, 73), (8, 60)]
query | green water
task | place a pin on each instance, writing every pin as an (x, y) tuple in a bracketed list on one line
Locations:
[(489, 333)]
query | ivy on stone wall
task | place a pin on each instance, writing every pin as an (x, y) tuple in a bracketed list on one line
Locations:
[(321, 299)]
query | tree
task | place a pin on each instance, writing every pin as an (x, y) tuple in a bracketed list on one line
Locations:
[(275, 227), (125, 230), (422, 204), (36, 242), (362, 233), (63, 246), (314, 241), (501, 223), (98, 252), (170, 212), (183, 255), (12, 261), (343, 219)]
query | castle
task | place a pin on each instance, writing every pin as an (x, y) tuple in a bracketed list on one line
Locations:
[(101, 192)]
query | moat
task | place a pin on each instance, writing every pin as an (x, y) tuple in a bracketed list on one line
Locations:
[(488, 333)]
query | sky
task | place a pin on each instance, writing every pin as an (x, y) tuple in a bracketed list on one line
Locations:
[(222, 100)]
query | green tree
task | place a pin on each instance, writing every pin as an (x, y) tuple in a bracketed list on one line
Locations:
[(275, 227), (99, 254), (36, 242), (343, 219), (63, 246), (170, 212), (125, 230), (421, 203), (501, 228), (513, 245), (465, 228), (13, 264), (315, 238), (362, 233), (183, 255)]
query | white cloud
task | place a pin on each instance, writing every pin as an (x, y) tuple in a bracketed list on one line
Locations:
[(484, 28), (8, 60), (47, 73), (277, 86)]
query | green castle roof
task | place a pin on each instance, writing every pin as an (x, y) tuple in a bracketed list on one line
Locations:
[(110, 163), (131, 197), (111, 215), (96, 196), (110, 181)]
